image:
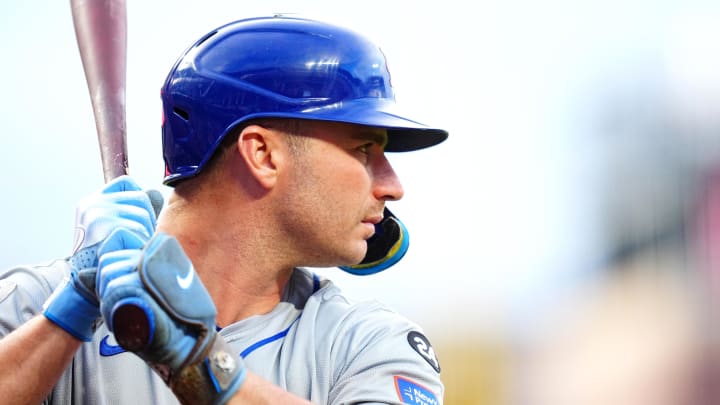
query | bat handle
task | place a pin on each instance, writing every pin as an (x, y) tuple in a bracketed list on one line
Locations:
[(133, 324)]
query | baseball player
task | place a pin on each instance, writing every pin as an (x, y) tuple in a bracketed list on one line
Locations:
[(274, 138)]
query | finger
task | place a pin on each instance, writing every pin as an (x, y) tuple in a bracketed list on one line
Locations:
[(114, 265), (143, 214), (120, 239), (136, 200), (117, 289), (122, 183), (109, 258), (140, 216), (124, 190), (96, 223)]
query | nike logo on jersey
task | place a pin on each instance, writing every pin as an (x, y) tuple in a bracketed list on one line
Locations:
[(421, 344), (107, 349), (184, 282)]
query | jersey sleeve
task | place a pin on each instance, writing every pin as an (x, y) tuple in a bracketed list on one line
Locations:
[(23, 291), (381, 357)]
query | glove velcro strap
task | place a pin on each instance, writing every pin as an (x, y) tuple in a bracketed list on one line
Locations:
[(72, 311), (213, 379)]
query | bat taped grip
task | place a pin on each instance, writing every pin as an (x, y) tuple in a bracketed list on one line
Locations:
[(213, 379)]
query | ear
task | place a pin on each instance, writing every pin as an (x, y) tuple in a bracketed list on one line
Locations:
[(258, 147)]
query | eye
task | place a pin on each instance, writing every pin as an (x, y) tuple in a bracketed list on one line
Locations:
[(365, 148)]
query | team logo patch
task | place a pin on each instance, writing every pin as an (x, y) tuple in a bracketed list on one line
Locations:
[(410, 392), (421, 344)]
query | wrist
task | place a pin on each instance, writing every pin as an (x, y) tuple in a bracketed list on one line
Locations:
[(74, 312)]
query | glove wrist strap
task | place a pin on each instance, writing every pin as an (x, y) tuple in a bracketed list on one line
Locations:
[(68, 308)]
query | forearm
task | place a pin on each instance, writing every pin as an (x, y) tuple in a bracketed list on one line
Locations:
[(33, 358), (256, 391)]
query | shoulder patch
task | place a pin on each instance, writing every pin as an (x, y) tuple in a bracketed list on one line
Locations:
[(421, 344), (410, 392)]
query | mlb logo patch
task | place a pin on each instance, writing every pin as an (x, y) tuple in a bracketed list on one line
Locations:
[(410, 392)]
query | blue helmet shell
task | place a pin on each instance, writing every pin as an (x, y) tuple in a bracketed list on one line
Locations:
[(283, 67)]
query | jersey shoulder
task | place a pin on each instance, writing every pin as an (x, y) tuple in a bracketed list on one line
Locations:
[(378, 352), (24, 289), (374, 322), (44, 276)]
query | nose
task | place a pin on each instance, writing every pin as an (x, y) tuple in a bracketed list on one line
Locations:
[(386, 184)]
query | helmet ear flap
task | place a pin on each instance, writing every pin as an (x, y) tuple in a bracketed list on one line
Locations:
[(385, 248)]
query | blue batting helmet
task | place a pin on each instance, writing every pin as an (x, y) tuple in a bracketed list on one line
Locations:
[(281, 67)]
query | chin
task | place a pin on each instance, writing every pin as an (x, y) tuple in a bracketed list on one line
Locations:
[(340, 260), (357, 255), (341, 254)]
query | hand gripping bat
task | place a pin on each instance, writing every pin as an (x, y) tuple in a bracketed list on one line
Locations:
[(101, 33)]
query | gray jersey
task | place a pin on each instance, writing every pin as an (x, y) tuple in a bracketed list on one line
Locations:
[(316, 343)]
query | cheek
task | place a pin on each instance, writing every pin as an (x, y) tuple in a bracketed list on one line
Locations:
[(350, 189), (330, 180), (336, 200), (323, 209), (340, 175)]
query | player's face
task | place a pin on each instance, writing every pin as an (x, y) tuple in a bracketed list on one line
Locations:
[(339, 182)]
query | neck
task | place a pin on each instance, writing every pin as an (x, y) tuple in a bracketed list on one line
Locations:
[(230, 261)]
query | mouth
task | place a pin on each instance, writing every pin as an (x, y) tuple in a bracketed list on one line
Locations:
[(370, 223), (374, 219)]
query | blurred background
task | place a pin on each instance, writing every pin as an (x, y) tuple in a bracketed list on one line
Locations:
[(565, 240)]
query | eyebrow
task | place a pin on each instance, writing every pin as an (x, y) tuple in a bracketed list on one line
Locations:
[(378, 138)]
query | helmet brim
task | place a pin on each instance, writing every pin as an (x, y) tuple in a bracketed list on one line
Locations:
[(404, 134)]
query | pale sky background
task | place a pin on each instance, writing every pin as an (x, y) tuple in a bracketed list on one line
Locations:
[(502, 216)]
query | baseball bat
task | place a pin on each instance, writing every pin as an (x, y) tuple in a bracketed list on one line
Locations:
[(101, 33)]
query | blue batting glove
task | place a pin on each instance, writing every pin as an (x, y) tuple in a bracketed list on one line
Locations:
[(155, 304), (74, 305)]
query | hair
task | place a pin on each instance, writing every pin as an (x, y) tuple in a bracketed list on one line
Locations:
[(293, 129)]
